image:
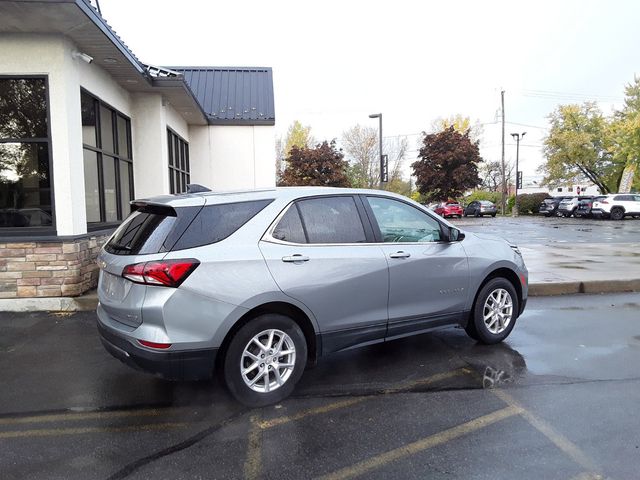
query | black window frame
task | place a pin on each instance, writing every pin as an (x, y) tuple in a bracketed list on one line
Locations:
[(116, 155), (48, 230), (182, 168)]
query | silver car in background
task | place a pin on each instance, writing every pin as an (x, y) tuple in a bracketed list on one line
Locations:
[(260, 284)]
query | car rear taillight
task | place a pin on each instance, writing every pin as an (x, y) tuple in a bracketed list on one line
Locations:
[(163, 273), (160, 346)]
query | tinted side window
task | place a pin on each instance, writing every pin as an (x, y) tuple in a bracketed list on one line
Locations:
[(289, 228), (216, 222), (332, 220), (402, 223)]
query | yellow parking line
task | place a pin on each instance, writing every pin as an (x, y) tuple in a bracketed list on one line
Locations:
[(310, 412), (559, 440), (72, 416), (265, 424), (440, 438), (253, 463), (76, 431)]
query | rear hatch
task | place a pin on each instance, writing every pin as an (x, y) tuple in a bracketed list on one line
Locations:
[(147, 234)]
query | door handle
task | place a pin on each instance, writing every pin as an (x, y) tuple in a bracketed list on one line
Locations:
[(295, 258), (400, 254)]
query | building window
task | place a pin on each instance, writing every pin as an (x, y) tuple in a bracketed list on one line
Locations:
[(179, 171), (108, 165), (25, 161)]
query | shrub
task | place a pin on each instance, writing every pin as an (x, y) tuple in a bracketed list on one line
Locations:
[(529, 203)]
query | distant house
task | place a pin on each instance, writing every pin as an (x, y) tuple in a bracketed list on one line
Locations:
[(85, 127)]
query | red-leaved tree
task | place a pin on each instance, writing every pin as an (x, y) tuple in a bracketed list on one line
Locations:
[(447, 165), (323, 165)]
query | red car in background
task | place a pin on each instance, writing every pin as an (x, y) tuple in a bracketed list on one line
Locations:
[(449, 209)]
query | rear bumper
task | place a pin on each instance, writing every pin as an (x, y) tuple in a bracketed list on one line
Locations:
[(171, 365)]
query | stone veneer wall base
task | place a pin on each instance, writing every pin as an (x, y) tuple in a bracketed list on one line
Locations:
[(65, 268)]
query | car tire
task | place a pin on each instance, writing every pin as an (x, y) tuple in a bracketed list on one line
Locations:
[(243, 351), (493, 215), (617, 213), (465, 214), (476, 214), (492, 302)]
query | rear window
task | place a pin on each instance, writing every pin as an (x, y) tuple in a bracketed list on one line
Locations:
[(153, 229)]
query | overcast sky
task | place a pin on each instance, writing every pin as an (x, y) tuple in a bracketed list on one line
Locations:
[(335, 62)]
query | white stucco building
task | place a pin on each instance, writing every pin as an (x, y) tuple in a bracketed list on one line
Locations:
[(85, 127)]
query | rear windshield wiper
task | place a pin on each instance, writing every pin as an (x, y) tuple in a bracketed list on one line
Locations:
[(119, 246)]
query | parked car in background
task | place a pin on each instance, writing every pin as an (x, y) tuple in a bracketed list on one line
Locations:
[(479, 208), (568, 206), (616, 206), (449, 209), (246, 282), (549, 206), (585, 205)]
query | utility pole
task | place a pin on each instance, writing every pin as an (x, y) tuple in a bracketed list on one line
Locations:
[(504, 181)]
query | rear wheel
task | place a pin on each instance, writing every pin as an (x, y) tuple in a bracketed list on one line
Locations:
[(495, 311), (617, 213), (493, 215), (476, 214), (265, 360)]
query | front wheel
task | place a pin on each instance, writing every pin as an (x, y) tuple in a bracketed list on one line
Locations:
[(617, 213), (495, 312), (265, 360)]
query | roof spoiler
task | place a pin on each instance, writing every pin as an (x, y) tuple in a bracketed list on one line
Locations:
[(196, 188)]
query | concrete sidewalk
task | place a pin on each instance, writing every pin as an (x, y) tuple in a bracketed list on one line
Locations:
[(557, 269)]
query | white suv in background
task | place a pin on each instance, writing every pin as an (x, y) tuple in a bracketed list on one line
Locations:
[(618, 205)]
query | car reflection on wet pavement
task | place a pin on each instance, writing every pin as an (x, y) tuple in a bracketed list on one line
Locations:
[(554, 401)]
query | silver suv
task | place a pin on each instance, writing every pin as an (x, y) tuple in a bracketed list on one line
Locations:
[(261, 284)]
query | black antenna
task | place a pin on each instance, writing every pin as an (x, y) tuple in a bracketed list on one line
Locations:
[(195, 188), (98, 7)]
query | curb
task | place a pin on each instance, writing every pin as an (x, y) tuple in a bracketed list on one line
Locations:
[(588, 286), (86, 302)]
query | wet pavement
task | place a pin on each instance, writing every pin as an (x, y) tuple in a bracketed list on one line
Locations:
[(541, 230), (570, 255), (559, 399)]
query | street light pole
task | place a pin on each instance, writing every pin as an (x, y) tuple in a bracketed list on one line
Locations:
[(379, 117), (517, 137)]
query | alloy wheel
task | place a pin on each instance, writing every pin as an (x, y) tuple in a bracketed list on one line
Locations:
[(268, 360), (498, 311)]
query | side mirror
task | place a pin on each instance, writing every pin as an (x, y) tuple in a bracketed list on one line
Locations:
[(455, 235)]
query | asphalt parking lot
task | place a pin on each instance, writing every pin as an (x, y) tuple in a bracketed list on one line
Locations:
[(554, 230), (559, 399)]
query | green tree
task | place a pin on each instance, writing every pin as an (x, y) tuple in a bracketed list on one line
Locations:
[(323, 165), (625, 128), (447, 165), (579, 146)]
